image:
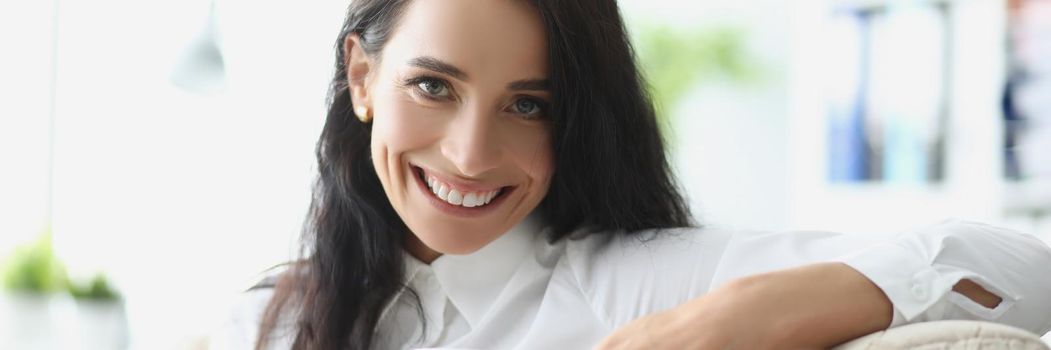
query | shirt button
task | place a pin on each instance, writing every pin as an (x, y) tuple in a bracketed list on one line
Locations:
[(921, 284), (919, 291)]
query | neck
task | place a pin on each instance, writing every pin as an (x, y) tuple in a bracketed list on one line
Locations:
[(420, 251)]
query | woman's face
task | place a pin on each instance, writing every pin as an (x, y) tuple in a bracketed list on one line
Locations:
[(460, 135)]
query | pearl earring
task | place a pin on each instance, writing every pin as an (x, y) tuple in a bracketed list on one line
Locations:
[(363, 114)]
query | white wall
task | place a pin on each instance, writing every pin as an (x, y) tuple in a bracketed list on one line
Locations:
[(26, 85), (184, 197)]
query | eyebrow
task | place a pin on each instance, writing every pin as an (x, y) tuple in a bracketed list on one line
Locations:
[(439, 66), (436, 65), (530, 85)]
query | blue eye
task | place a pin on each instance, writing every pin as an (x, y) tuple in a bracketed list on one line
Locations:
[(527, 107), (433, 87)]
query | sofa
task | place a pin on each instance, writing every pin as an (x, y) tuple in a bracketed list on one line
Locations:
[(949, 335)]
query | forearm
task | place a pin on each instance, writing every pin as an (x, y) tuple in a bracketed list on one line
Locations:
[(810, 307), (816, 306), (822, 305)]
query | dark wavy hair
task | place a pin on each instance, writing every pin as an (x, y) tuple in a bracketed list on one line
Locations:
[(611, 173)]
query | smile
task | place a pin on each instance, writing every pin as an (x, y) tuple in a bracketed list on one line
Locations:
[(453, 196), (460, 196)]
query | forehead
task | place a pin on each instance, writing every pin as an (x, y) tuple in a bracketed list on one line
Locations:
[(487, 39)]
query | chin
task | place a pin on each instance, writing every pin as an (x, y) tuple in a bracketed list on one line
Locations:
[(454, 243)]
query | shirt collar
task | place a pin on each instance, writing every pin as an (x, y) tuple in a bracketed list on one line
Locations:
[(474, 281)]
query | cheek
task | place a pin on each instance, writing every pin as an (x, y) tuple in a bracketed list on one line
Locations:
[(400, 125), (532, 151)]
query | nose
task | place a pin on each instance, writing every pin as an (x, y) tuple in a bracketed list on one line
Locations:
[(471, 142)]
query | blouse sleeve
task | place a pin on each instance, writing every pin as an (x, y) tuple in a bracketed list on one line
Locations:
[(240, 331), (241, 328), (627, 276), (917, 270)]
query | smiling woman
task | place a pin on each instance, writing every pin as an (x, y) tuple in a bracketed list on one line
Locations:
[(461, 119), (461, 106), (492, 176)]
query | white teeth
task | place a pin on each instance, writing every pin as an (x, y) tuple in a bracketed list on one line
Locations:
[(443, 193), (455, 197), (471, 200)]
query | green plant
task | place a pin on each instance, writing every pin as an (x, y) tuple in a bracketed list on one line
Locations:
[(97, 289), (33, 268), (675, 59)]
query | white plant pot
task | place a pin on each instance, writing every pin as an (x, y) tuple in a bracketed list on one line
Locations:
[(36, 321), (57, 321), (102, 325)]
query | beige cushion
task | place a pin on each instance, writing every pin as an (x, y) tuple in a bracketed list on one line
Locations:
[(949, 335)]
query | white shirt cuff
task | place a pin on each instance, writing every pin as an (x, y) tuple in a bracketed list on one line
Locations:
[(911, 283)]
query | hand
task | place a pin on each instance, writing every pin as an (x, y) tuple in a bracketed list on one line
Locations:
[(810, 307)]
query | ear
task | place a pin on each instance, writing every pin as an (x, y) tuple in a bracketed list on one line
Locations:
[(358, 66)]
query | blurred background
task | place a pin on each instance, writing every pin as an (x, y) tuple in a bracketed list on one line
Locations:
[(157, 156)]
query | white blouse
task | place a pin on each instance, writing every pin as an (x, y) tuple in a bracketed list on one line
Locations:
[(521, 292)]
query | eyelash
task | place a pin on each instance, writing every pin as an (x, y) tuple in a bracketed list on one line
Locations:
[(414, 85)]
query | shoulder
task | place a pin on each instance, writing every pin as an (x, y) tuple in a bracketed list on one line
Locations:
[(622, 249), (245, 314), (241, 327)]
